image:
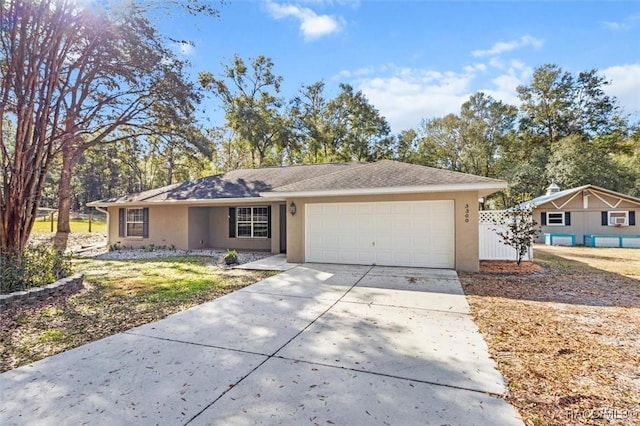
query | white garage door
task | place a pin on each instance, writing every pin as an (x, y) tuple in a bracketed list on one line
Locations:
[(411, 233)]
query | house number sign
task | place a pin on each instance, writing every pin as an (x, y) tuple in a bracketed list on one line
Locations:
[(466, 213)]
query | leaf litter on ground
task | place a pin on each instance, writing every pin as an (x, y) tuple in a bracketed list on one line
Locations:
[(565, 333)]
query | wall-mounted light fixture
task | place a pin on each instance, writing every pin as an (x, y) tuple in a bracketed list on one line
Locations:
[(292, 208)]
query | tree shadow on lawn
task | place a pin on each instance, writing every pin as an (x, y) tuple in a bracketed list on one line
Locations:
[(167, 372), (562, 280)]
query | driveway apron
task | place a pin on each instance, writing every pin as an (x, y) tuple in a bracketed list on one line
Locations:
[(317, 344)]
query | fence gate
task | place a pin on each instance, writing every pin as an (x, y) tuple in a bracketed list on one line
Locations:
[(491, 245)]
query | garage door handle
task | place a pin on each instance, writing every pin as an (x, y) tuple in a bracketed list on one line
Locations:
[(373, 243)]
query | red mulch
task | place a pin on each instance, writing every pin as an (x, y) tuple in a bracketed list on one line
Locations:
[(509, 267)]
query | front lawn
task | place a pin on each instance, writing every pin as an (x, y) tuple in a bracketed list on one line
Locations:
[(566, 338), (118, 295)]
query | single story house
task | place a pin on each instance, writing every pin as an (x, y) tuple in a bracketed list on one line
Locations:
[(383, 213), (587, 215)]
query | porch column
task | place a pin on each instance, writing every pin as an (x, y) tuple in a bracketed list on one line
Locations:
[(275, 228)]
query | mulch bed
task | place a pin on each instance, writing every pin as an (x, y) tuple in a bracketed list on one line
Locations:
[(508, 267)]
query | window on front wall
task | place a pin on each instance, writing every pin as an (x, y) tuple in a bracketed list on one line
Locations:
[(252, 222), (135, 223), (618, 218), (555, 219)]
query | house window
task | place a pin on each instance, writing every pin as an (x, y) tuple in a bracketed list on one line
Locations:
[(555, 219), (252, 222), (135, 222), (618, 218)]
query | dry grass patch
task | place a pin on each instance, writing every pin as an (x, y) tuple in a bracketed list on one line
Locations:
[(566, 337), (118, 295)]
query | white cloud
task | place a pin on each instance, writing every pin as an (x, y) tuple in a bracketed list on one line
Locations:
[(625, 24), (507, 46), (312, 25), (352, 3), (625, 85), (406, 96), (615, 26)]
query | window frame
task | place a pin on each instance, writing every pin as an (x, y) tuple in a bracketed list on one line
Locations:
[(252, 222), (618, 213), (127, 222), (562, 217)]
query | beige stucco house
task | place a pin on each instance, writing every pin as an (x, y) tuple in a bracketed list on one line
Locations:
[(383, 213), (587, 215)]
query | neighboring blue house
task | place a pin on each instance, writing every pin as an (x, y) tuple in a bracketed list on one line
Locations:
[(587, 215)]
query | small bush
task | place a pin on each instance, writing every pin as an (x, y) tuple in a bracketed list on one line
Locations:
[(231, 257), (40, 266)]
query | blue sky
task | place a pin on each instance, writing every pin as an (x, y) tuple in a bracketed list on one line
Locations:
[(419, 59)]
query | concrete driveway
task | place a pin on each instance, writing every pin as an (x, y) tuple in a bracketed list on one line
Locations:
[(318, 344)]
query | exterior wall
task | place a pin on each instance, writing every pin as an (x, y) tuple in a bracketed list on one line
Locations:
[(198, 227), (188, 227), (588, 221), (168, 225), (219, 231), (466, 222)]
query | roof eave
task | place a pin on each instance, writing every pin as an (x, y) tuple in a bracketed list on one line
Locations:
[(190, 202), (483, 188)]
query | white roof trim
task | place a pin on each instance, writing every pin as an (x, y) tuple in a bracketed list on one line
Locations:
[(568, 201), (606, 202), (204, 203), (598, 192), (485, 188)]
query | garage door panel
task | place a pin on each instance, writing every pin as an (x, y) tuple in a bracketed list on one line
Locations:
[(413, 233)]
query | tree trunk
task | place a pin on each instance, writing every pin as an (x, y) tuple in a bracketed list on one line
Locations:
[(69, 159), (170, 166)]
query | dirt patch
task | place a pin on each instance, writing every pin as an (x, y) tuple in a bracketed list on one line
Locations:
[(565, 336)]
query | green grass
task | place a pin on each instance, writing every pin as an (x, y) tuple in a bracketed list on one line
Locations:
[(157, 280), (51, 335), (118, 295), (77, 225)]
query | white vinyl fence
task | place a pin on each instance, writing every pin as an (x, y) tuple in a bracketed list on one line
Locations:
[(491, 245)]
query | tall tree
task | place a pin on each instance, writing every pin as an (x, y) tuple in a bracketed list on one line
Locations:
[(358, 130), (562, 112), (440, 144), (546, 104), (405, 145), (344, 128), (311, 126), (73, 78), (253, 108), (575, 162), (486, 127), (34, 42)]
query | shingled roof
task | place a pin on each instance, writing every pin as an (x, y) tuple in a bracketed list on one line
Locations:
[(242, 183), (326, 177), (383, 174)]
